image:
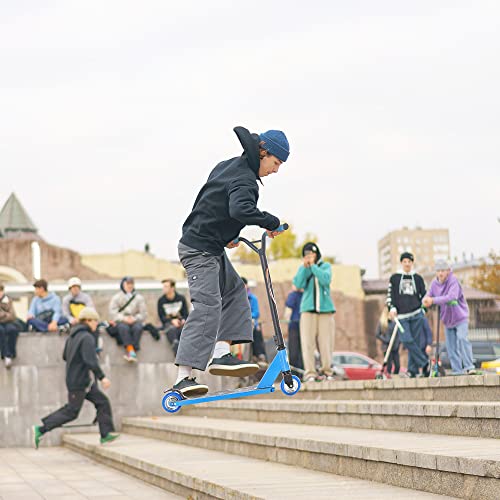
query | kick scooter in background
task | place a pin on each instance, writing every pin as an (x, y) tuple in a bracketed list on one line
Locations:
[(397, 326), (173, 400), (436, 369)]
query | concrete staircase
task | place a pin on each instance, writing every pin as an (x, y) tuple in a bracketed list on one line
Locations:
[(365, 439)]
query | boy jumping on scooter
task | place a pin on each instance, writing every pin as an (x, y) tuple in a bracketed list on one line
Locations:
[(221, 311)]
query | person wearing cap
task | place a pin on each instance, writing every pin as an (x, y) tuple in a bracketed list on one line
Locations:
[(45, 313), (446, 292), (81, 359), (317, 325), (128, 312), (404, 300), (9, 329), (221, 312), (75, 301)]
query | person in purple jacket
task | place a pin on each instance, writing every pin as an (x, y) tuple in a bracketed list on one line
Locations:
[(446, 292)]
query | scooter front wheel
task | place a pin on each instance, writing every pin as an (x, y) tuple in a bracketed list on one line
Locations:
[(168, 401), (290, 391)]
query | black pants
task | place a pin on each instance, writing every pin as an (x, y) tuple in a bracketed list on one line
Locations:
[(71, 410), (393, 358), (8, 339), (294, 346), (173, 336), (258, 347), (130, 334)]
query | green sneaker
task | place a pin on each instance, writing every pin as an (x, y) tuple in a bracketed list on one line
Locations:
[(37, 435), (108, 438)]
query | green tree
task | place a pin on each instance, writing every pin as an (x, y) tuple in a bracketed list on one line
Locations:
[(488, 278), (245, 255), (284, 246)]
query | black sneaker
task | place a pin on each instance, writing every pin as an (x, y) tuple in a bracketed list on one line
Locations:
[(426, 370), (230, 366), (189, 387)]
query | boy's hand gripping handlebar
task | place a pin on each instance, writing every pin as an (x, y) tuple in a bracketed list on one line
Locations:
[(279, 229)]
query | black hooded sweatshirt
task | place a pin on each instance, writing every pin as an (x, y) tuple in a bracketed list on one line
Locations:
[(228, 201), (80, 356)]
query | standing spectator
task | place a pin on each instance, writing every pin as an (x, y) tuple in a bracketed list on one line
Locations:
[(404, 299), (75, 301), (385, 329), (292, 315), (81, 358), (446, 292), (173, 312), (128, 310), (425, 338), (317, 325), (8, 328), (258, 347), (44, 314)]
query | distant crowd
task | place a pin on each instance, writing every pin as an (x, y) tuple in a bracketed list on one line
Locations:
[(309, 314)]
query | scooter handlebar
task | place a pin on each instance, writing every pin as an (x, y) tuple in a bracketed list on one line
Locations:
[(279, 229)]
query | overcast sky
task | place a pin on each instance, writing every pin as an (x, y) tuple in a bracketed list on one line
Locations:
[(113, 113)]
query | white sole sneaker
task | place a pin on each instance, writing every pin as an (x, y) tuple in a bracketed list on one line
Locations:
[(241, 370)]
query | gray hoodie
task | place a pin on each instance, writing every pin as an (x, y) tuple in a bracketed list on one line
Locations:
[(136, 308)]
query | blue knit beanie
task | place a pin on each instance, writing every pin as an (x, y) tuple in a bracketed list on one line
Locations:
[(276, 144)]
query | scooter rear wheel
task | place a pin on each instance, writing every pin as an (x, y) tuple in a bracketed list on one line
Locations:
[(168, 401), (290, 391)]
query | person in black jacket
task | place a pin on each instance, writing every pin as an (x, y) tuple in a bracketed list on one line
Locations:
[(385, 329), (404, 300), (173, 312), (221, 311), (81, 358)]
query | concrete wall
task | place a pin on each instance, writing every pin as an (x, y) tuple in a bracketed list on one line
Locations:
[(35, 385)]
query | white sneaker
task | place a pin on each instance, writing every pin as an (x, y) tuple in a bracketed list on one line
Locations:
[(8, 363)]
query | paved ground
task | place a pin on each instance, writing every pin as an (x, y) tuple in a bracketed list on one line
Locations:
[(57, 473)]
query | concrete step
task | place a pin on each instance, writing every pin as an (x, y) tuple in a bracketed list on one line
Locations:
[(463, 467), (201, 473), (453, 388), (474, 419)]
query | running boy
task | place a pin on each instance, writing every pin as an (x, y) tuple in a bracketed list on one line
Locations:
[(81, 359), (221, 311)]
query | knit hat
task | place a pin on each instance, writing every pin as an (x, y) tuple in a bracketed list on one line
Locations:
[(441, 265), (74, 282), (88, 313), (311, 247), (276, 143), (406, 255)]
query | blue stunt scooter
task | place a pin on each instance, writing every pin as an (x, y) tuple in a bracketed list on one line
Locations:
[(173, 401)]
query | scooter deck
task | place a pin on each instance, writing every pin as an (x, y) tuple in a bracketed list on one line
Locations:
[(252, 390)]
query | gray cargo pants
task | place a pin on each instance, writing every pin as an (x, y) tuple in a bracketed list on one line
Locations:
[(221, 310)]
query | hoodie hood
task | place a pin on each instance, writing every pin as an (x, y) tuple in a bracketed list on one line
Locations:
[(78, 328), (250, 143), (122, 282)]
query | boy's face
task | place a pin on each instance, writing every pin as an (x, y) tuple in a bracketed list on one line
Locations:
[(128, 286), (442, 275), (269, 165), (75, 290), (39, 291), (407, 265)]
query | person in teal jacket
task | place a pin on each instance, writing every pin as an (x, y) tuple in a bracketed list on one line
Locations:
[(317, 325)]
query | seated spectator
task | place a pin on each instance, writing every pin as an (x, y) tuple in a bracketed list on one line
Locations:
[(8, 328), (45, 313), (258, 347), (385, 329), (173, 312), (128, 311), (75, 301), (292, 315)]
